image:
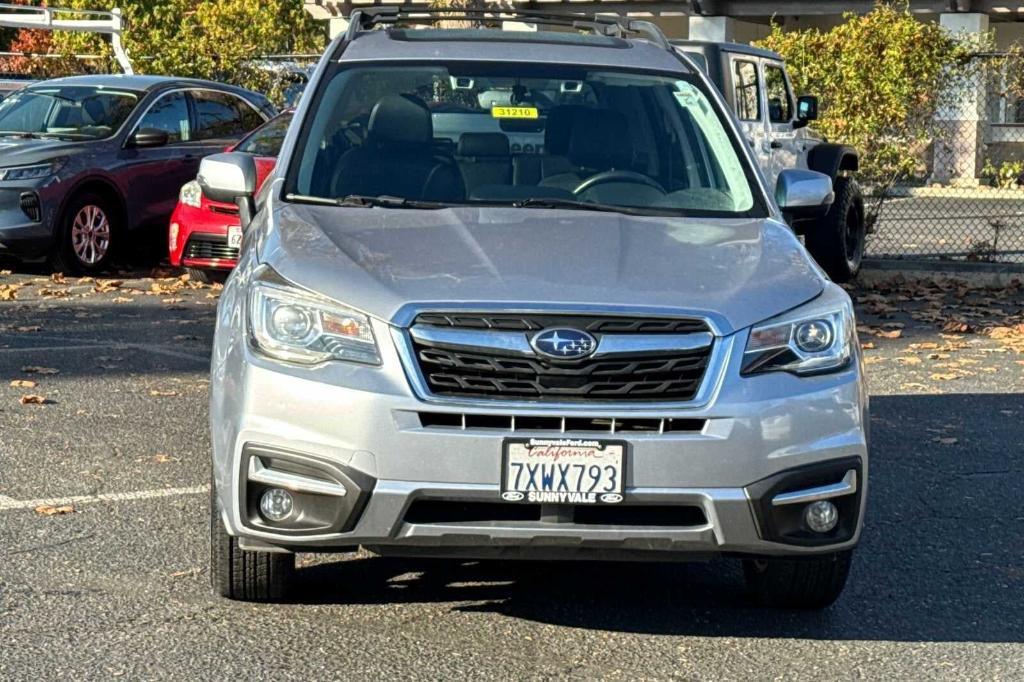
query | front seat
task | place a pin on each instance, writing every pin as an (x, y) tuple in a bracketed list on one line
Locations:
[(398, 157)]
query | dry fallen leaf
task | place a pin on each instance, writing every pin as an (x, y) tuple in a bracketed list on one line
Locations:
[(909, 360), (29, 328), (869, 345), (23, 383), (945, 376), (32, 399), (163, 393), (51, 510), (161, 458), (36, 369)]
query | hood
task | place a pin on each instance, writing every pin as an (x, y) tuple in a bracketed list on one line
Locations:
[(25, 151), (736, 272)]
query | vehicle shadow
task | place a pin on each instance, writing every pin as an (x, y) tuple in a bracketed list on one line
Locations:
[(940, 559)]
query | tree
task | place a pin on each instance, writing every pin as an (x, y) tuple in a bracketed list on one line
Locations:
[(882, 76), (215, 39)]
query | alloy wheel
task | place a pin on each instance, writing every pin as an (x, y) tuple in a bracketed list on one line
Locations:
[(90, 234)]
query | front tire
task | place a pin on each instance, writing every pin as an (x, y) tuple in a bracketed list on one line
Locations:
[(811, 583), (241, 574), (837, 240), (86, 237)]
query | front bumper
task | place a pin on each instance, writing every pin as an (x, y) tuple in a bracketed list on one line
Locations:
[(27, 212), (365, 421), (200, 239)]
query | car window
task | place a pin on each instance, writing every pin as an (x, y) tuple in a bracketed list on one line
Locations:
[(780, 101), (220, 115), (747, 90), (170, 114), (468, 132), (266, 141), (70, 112)]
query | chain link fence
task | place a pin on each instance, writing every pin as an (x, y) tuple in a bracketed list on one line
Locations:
[(965, 198)]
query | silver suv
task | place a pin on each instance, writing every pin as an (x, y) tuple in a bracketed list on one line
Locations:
[(526, 295)]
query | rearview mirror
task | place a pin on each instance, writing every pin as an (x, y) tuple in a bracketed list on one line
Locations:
[(230, 177), (803, 192), (149, 137)]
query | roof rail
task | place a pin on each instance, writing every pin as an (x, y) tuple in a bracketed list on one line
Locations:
[(611, 25), (68, 19)]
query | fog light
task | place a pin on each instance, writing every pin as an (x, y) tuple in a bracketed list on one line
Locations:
[(276, 504), (821, 516)]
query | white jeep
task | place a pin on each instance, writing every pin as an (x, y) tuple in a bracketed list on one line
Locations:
[(756, 85)]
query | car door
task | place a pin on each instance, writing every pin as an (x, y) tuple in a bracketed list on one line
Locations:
[(152, 176), (748, 103), (783, 143)]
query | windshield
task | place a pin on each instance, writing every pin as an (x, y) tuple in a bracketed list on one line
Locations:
[(521, 134), (71, 112)]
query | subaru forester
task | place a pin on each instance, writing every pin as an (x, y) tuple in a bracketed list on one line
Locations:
[(524, 294)]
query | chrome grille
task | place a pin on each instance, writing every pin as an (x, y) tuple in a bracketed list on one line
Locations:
[(489, 356)]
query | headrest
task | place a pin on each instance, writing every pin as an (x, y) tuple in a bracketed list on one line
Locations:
[(483, 144), (95, 108), (600, 140), (558, 128), (400, 119)]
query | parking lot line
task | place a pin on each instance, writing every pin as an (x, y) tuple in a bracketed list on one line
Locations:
[(11, 504)]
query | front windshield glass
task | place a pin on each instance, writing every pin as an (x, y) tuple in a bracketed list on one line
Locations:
[(522, 134), (71, 112)]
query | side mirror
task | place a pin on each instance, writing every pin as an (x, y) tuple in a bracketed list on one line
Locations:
[(148, 137), (806, 109), (230, 177), (803, 193)]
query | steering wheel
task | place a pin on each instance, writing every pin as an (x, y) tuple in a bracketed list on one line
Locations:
[(618, 176)]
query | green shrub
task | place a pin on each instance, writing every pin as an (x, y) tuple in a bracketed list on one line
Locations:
[(881, 78), (214, 39)]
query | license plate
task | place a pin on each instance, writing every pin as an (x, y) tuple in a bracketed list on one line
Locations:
[(234, 237), (563, 471)]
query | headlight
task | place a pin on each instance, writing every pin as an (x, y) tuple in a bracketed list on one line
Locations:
[(291, 325), (817, 337), (191, 194), (34, 172)]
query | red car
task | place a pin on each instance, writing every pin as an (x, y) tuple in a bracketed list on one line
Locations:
[(205, 235)]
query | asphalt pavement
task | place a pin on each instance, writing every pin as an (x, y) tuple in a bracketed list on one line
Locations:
[(104, 541)]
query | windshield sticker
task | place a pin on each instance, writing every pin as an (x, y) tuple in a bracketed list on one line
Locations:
[(514, 112)]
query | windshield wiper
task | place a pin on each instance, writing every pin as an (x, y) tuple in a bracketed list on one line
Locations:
[(385, 201), (556, 202), (363, 201)]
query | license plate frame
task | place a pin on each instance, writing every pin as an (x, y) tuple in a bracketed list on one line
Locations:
[(605, 452)]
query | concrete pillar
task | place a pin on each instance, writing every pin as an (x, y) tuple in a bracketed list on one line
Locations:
[(712, 29), (962, 114), (336, 26)]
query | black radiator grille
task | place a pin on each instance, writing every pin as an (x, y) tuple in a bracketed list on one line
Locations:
[(485, 373), (210, 246)]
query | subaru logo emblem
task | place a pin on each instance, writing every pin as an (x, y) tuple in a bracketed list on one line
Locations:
[(564, 344)]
